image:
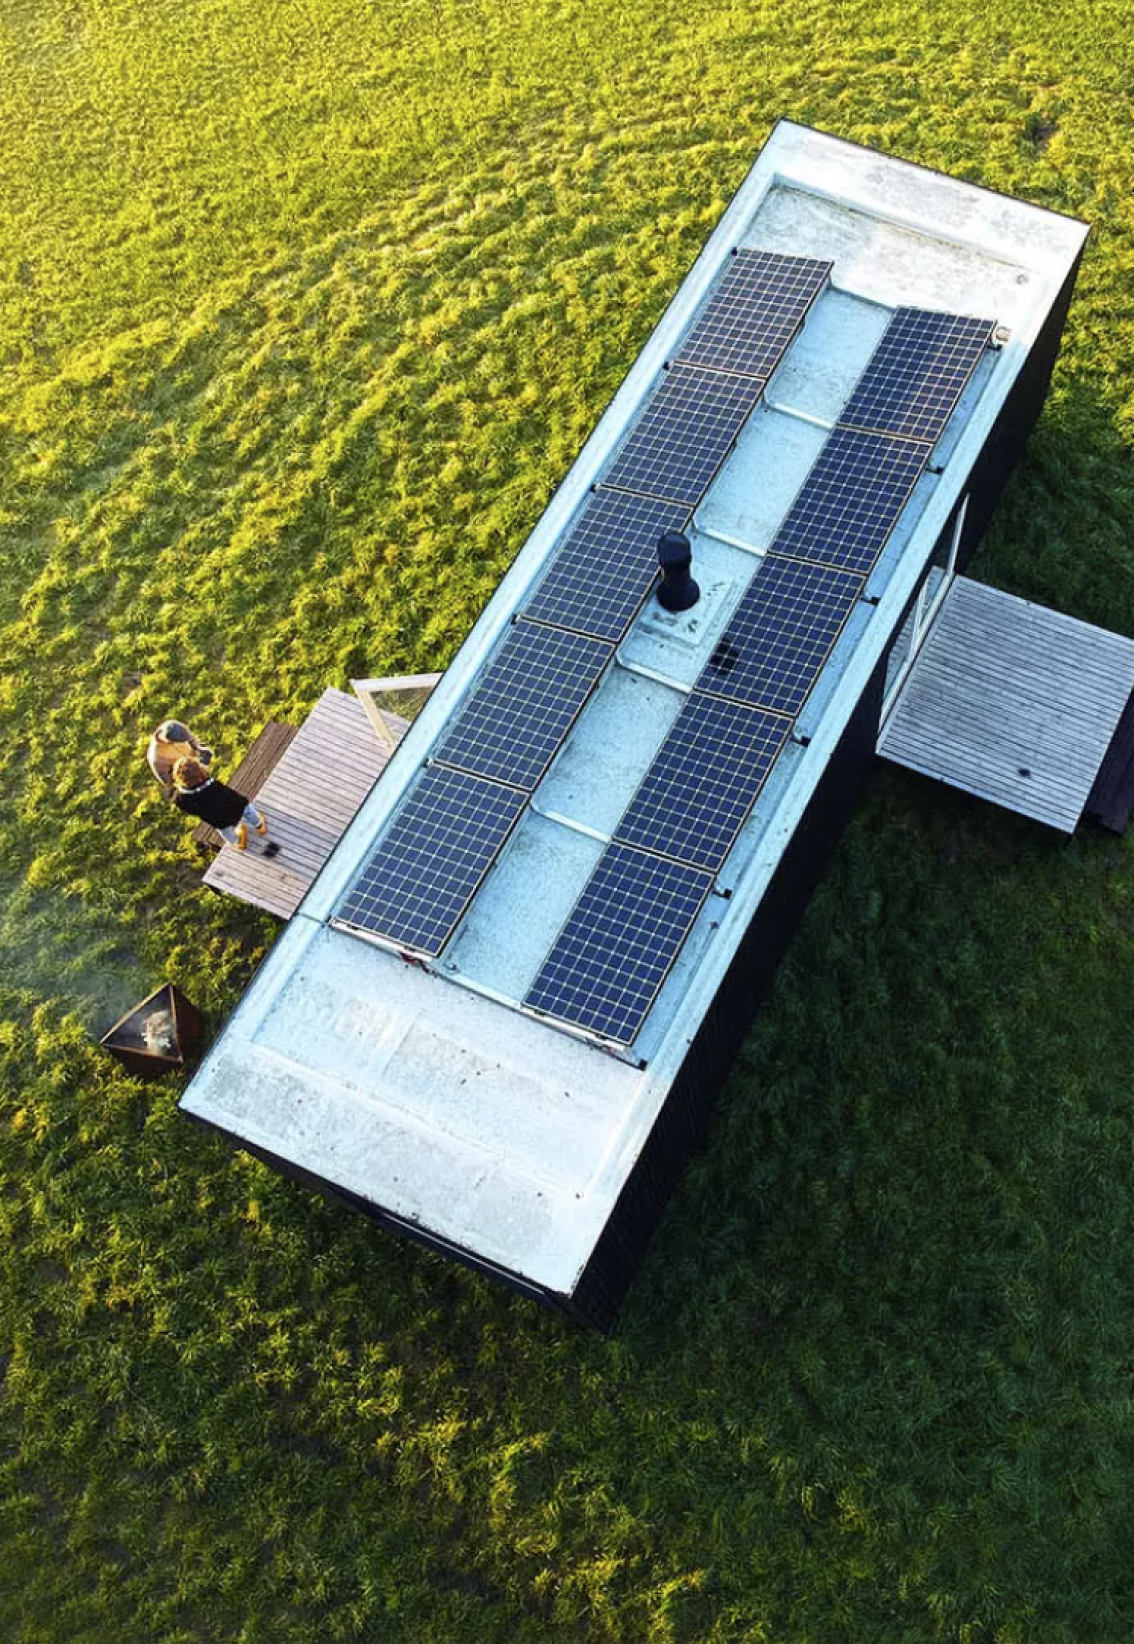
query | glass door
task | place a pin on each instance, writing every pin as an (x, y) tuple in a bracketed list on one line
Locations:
[(930, 595)]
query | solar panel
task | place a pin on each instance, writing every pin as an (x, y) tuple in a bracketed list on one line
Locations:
[(523, 704), (781, 634), (851, 499), (446, 834), (917, 374), (754, 313), (683, 435), (620, 942), (703, 783), (604, 569)]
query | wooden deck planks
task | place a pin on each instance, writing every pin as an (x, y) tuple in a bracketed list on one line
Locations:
[(1012, 702), (309, 798)]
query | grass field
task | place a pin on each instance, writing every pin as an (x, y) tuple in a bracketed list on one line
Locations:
[(304, 311)]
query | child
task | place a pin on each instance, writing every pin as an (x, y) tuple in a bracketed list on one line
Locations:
[(229, 812)]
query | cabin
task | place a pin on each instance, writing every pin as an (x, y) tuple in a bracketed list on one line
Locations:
[(498, 1017)]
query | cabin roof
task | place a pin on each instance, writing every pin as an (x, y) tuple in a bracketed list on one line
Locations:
[(428, 1092)]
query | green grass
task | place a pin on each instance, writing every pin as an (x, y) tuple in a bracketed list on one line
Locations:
[(304, 311)]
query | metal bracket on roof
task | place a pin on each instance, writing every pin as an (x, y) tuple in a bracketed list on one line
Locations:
[(651, 673), (570, 822), (800, 416), (730, 542)]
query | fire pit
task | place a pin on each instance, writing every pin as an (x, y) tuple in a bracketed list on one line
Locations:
[(157, 1036)]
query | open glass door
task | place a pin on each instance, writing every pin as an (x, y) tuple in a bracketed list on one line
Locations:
[(930, 596), (393, 704)]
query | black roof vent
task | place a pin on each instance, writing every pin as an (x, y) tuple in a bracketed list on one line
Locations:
[(677, 591)]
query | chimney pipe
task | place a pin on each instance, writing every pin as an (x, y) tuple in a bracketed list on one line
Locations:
[(677, 591)]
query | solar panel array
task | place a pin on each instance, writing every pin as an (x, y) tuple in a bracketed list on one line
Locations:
[(918, 373), (610, 959), (624, 935), (456, 817), (445, 836), (523, 704), (754, 313), (780, 635), (619, 943), (851, 500), (683, 435), (866, 472), (606, 566), (700, 788)]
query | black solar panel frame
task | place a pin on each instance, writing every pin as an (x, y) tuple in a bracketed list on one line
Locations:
[(655, 460), (488, 737), (737, 747), (922, 353), (755, 312), (603, 570), (584, 935), (779, 582), (397, 859), (851, 500)]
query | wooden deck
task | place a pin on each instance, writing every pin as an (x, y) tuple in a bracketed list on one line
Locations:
[(1012, 702), (252, 772), (309, 798)]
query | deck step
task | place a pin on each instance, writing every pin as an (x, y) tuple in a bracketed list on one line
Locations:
[(1111, 799)]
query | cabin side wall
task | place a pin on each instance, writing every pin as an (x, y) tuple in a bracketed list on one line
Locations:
[(1005, 444)]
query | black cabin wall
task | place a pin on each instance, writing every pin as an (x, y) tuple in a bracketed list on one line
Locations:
[(1018, 416)]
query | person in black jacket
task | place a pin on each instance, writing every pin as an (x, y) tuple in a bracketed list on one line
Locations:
[(223, 808)]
